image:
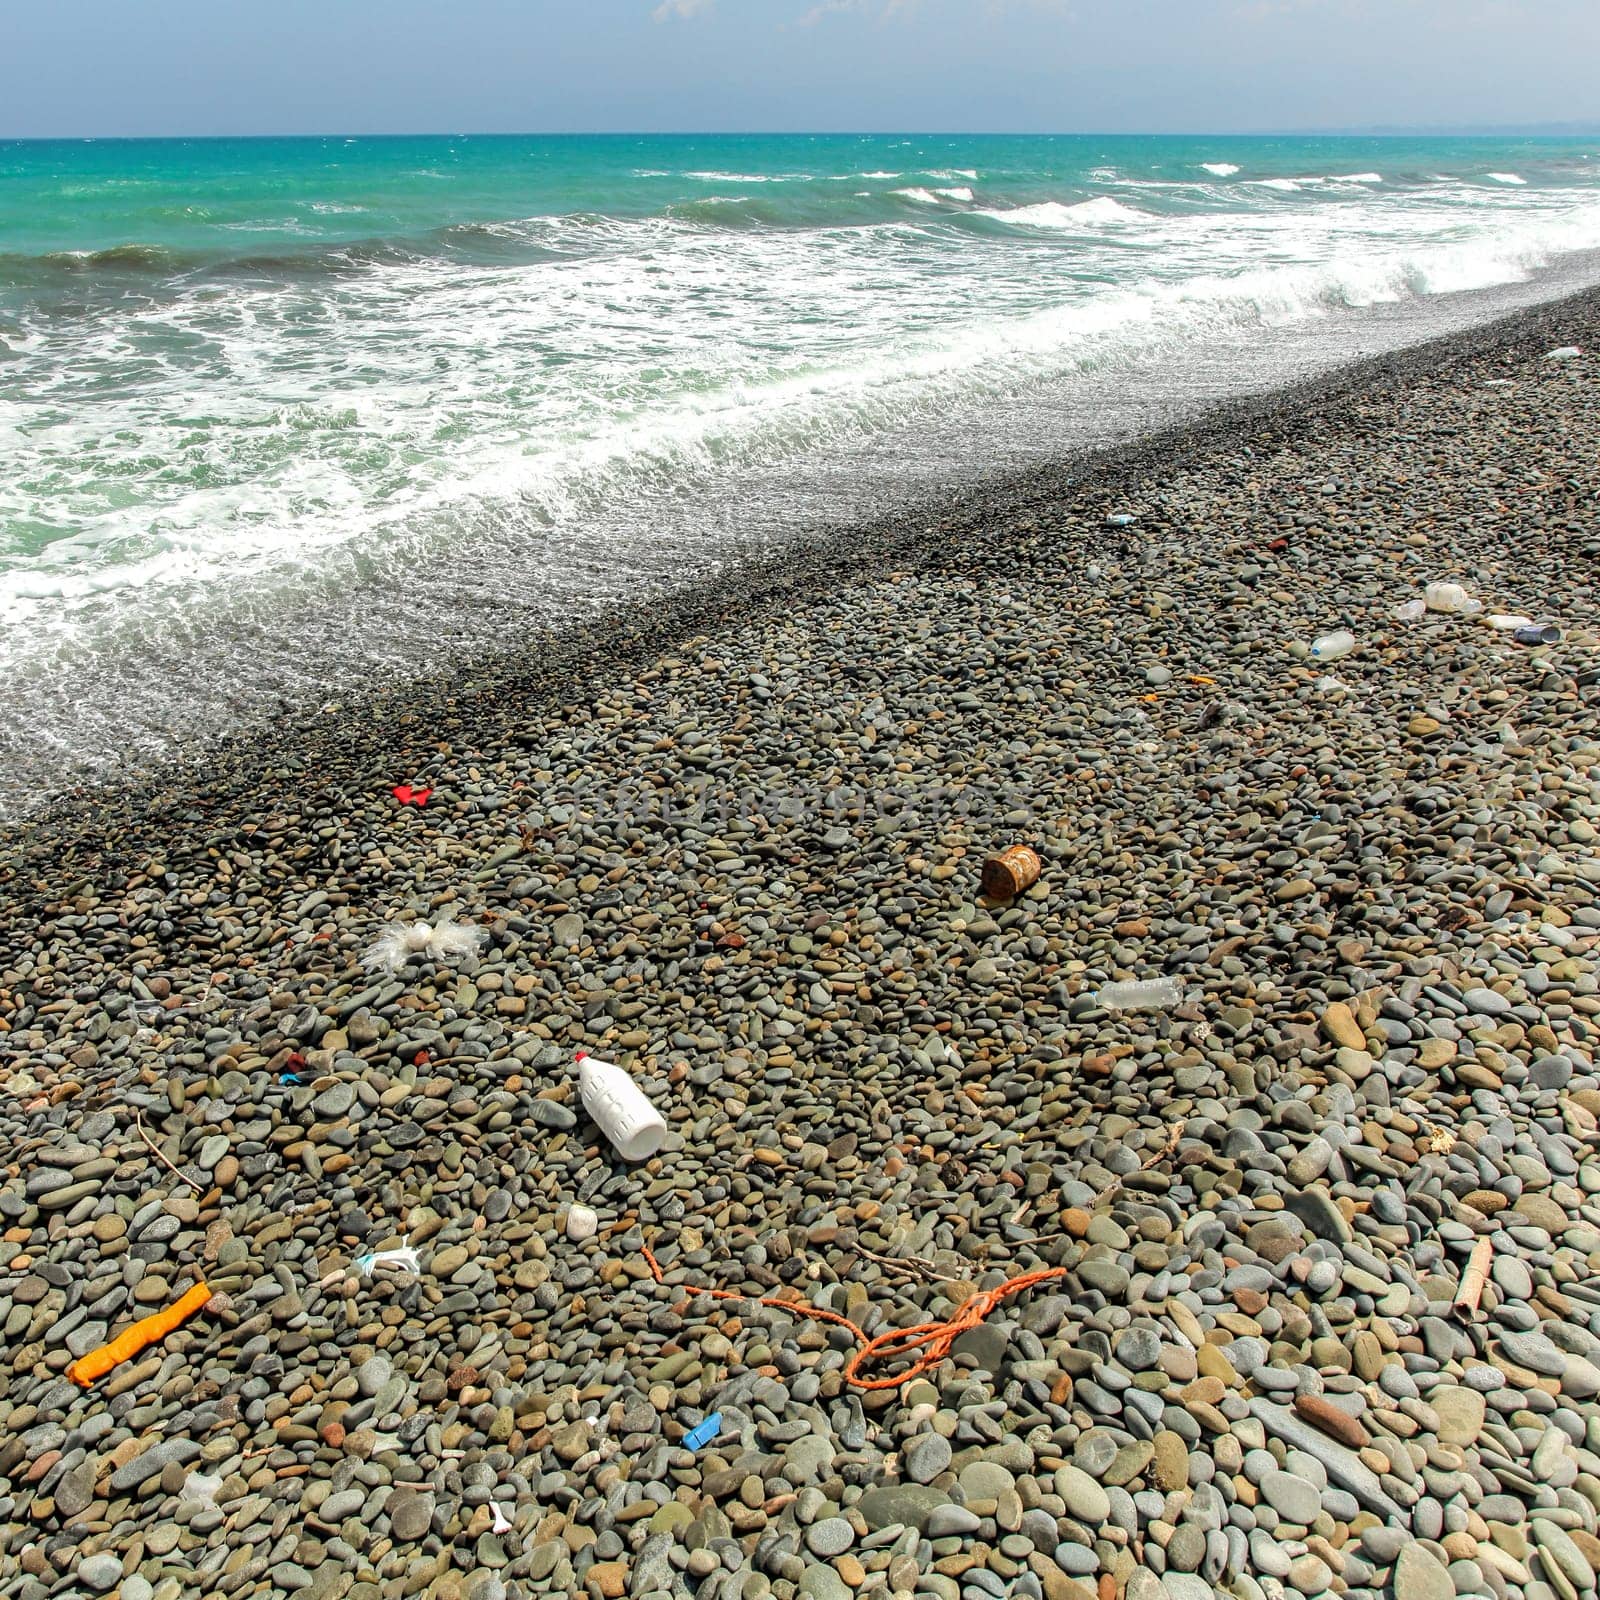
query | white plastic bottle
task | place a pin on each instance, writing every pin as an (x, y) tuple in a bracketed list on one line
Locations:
[(1332, 646), (619, 1108), (1142, 994)]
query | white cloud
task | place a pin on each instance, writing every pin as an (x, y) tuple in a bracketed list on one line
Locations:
[(884, 11), (668, 9), (826, 8)]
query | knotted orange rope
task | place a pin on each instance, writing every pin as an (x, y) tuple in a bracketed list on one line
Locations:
[(928, 1343), (925, 1345)]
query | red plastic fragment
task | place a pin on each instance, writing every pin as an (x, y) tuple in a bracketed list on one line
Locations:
[(407, 796)]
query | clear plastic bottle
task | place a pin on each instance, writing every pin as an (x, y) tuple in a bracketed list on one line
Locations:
[(1333, 646), (1141, 994)]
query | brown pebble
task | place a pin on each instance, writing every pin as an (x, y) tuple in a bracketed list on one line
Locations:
[(1331, 1420)]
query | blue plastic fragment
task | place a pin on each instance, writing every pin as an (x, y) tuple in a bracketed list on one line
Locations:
[(703, 1432), (288, 1077)]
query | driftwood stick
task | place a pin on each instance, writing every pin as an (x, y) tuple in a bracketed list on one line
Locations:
[(1475, 1277), (157, 1153)]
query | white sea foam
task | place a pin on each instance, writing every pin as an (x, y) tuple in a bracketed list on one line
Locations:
[(959, 193), (1287, 185), (1053, 214), (1220, 169), (749, 177), (923, 196), (1357, 177), (948, 173), (1508, 177), (498, 420)]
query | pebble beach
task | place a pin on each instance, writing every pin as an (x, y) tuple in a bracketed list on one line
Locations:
[(733, 843)]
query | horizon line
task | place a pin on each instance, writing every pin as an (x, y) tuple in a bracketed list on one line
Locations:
[(1546, 130)]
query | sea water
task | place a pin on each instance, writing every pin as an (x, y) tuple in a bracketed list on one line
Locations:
[(280, 418)]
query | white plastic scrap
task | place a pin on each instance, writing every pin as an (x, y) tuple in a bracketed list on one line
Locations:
[(403, 1259), (200, 1488), (502, 1523), (447, 942), (1566, 352)]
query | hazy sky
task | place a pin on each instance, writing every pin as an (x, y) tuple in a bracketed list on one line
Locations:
[(79, 67)]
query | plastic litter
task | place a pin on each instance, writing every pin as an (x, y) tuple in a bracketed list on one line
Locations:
[(619, 1108), (1451, 599), (407, 796), (403, 1259), (1121, 519), (200, 1488), (1006, 875), (1537, 633), (445, 942), (928, 1343), (1333, 646), (1141, 994), (1410, 611), (1331, 685), (702, 1433), (1509, 621), (502, 1523), (1566, 352), (132, 1340)]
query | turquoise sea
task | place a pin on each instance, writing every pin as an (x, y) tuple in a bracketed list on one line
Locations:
[(280, 416)]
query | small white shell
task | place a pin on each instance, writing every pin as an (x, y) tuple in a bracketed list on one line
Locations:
[(582, 1223)]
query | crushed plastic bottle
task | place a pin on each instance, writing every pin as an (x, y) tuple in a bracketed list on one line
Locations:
[(1509, 621), (1141, 994), (1566, 352), (1333, 646), (1411, 611), (1121, 519), (1451, 599)]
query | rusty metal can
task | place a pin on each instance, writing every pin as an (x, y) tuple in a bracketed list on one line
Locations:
[(1006, 875)]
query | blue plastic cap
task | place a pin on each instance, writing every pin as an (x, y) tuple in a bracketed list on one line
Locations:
[(702, 1433)]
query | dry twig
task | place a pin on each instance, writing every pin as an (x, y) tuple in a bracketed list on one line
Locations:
[(160, 1156)]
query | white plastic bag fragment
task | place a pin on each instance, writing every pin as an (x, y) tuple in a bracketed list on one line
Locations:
[(402, 1260), (449, 943)]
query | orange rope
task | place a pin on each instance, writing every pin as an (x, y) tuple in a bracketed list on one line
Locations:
[(925, 1345)]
